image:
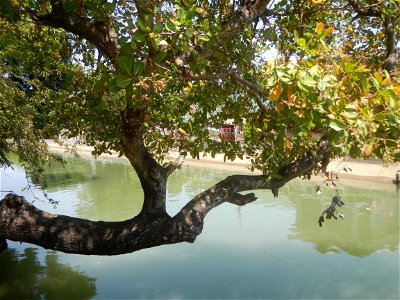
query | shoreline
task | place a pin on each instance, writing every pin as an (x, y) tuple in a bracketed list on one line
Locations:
[(361, 170)]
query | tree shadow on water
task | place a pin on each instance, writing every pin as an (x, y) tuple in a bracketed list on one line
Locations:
[(23, 276)]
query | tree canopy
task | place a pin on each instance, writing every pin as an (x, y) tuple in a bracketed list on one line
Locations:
[(307, 80)]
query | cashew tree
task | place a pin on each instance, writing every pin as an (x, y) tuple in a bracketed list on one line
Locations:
[(307, 80)]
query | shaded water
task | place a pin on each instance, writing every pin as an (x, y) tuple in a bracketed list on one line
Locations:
[(272, 248)]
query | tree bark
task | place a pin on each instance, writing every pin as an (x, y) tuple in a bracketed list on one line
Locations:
[(21, 221)]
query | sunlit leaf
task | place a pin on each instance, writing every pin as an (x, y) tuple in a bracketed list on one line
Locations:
[(319, 27), (275, 92), (337, 125)]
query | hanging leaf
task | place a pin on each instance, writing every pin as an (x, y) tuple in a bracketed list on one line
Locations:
[(275, 92)]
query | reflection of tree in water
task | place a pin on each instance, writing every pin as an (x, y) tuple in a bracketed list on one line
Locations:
[(23, 277), (370, 225), (75, 171)]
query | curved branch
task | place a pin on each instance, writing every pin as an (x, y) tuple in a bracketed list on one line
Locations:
[(227, 190), (153, 177), (21, 221)]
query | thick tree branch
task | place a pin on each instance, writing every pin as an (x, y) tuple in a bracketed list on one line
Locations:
[(392, 53), (369, 11), (374, 10), (99, 33), (152, 175), (227, 190), (21, 221)]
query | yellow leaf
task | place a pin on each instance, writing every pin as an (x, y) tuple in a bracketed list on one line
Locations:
[(279, 107), (190, 84), (319, 27), (362, 69), (367, 150), (182, 132), (329, 31), (378, 77), (275, 92), (318, 1), (300, 113), (345, 58), (337, 68), (291, 97), (287, 143), (386, 81), (170, 136)]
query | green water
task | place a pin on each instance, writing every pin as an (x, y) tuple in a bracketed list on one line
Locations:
[(270, 249)]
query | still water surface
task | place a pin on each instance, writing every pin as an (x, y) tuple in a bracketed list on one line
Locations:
[(270, 249)]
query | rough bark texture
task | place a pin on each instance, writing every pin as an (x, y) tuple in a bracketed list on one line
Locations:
[(21, 221)]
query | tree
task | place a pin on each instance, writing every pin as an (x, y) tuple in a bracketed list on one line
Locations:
[(145, 78)]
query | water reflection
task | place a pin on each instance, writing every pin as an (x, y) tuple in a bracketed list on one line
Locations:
[(22, 276), (272, 248), (371, 220)]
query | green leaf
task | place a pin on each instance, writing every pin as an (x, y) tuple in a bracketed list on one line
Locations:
[(349, 67), (112, 86), (159, 57), (125, 63), (321, 86), (270, 34), (302, 43), (138, 68), (191, 12), (336, 138), (139, 36), (308, 81), (379, 117), (158, 28), (170, 26), (143, 26), (315, 71), (71, 5), (296, 35), (123, 81), (98, 86), (337, 125), (109, 7)]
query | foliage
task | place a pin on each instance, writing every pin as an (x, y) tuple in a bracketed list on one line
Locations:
[(189, 66)]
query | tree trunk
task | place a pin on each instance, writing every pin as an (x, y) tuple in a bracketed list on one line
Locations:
[(21, 221)]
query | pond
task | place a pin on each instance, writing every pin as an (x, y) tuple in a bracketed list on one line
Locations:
[(270, 249)]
